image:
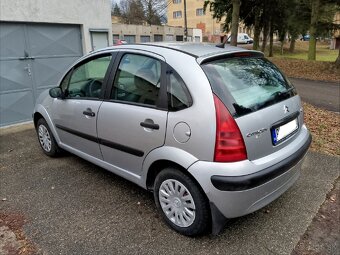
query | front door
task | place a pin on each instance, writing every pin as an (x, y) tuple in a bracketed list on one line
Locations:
[(131, 123), (75, 116)]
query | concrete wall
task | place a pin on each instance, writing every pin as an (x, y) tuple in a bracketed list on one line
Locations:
[(90, 14), (140, 30)]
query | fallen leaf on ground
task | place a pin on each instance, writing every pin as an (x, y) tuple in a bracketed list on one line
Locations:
[(333, 198)]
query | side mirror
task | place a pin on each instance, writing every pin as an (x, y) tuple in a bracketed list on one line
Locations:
[(56, 93)]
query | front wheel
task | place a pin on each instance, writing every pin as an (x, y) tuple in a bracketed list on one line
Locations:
[(181, 202), (46, 139)]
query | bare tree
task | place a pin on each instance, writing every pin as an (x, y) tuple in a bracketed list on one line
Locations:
[(154, 10), (132, 12)]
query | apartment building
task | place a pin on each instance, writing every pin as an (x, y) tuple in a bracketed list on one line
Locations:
[(196, 18)]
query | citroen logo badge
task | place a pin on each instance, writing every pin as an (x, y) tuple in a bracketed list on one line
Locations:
[(285, 109)]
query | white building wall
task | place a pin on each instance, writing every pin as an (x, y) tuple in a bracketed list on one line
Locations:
[(90, 14)]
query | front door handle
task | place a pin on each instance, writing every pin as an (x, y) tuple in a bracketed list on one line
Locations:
[(26, 58), (89, 112), (148, 124)]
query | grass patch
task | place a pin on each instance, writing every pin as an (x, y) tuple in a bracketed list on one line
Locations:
[(296, 65), (323, 53)]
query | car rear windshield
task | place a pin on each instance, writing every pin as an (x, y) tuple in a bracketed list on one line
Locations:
[(247, 84)]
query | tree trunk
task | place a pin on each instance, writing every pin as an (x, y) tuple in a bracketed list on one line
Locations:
[(312, 29), (337, 61), (265, 36), (257, 30), (234, 22), (292, 43), (281, 47), (271, 40)]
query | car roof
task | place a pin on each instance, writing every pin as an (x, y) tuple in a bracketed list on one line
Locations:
[(196, 49), (201, 51)]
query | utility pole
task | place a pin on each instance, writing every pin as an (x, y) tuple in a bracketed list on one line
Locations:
[(185, 22)]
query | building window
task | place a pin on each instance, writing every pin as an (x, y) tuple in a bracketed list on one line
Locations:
[(200, 12), (177, 1), (177, 14)]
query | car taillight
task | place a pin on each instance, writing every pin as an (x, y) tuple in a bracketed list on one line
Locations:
[(229, 146)]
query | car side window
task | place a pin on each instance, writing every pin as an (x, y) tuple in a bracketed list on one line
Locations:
[(137, 80), (178, 94), (86, 80)]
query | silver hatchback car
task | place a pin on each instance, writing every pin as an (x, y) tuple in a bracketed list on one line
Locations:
[(214, 133)]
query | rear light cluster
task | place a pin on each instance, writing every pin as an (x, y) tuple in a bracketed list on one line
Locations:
[(229, 146)]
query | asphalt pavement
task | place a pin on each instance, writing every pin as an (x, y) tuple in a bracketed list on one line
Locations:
[(325, 95), (74, 207)]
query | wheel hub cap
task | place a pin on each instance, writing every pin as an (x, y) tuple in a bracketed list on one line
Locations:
[(177, 203), (44, 138)]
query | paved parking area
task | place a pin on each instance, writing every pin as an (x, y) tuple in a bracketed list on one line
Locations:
[(319, 93), (74, 207)]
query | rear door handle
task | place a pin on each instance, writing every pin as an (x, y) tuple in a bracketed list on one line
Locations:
[(149, 125), (89, 112)]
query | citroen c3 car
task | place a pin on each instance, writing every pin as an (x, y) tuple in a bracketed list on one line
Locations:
[(214, 133)]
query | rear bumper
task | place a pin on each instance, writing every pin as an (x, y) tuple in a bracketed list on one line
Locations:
[(240, 188), (245, 182)]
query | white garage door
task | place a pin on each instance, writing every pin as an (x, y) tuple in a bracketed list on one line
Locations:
[(32, 58)]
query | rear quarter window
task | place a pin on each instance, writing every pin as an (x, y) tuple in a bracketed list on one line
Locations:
[(178, 94)]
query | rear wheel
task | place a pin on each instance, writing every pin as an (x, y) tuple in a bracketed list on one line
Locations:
[(181, 202), (46, 139)]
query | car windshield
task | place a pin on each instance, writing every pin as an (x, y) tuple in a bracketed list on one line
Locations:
[(253, 83)]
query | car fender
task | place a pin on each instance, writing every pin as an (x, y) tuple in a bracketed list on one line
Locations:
[(176, 155), (39, 108)]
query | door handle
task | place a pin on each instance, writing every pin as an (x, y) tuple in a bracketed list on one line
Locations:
[(26, 58), (149, 125), (89, 112)]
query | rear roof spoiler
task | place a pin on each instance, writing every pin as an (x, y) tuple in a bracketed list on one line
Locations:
[(231, 54)]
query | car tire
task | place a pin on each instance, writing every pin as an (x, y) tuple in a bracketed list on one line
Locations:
[(46, 139), (181, 202)]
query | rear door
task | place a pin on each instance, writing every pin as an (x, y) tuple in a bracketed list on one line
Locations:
[(132, 121), (75, 117), (264, 104)]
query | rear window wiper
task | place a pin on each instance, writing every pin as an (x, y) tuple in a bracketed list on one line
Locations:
[(280, 94), (275, 97)]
